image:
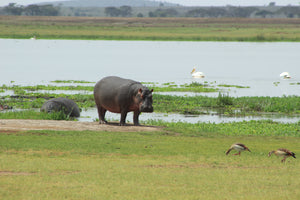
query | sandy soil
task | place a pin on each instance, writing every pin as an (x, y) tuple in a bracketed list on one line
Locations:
[(12, 125)]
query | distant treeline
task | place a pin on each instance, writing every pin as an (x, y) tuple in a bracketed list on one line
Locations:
[(30, 10), (270, 11)]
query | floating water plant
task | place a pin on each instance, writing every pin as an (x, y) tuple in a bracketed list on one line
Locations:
[(236, 86), (70, 81)]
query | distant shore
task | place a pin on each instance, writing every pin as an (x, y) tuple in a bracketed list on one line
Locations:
[(151, 29)]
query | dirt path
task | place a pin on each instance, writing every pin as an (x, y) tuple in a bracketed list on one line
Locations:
[(11, 125)]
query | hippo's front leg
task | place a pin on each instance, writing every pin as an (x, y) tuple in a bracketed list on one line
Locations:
[(136, 117)]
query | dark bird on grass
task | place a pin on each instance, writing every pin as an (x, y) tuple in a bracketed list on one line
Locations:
[(238, 147), (285, 153)]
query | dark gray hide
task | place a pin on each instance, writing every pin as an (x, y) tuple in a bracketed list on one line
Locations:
[(69, 107), (120, 95)]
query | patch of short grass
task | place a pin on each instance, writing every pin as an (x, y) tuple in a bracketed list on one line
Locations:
[(33, 114), (244, 128), (143, 165)]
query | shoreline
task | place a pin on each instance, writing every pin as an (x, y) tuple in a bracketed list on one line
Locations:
[(151, 29)]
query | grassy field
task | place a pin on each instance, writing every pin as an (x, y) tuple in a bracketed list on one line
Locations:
[(181, 161), (144, 165), (173, 29)]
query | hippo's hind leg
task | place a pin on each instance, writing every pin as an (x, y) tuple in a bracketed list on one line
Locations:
[(123, 117), (101, 114)]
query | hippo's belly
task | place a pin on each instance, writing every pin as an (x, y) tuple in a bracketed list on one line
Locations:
[(114, 109)]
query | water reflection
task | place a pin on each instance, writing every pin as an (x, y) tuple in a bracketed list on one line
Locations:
[(92, 114)]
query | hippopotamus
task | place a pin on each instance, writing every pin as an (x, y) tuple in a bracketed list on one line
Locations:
[(69, 107), (119, 95)]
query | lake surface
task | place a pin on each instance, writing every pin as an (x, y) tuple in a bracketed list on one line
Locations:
[(257, 65)]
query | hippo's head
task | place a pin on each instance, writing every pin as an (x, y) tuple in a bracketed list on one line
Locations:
[(145, 100)]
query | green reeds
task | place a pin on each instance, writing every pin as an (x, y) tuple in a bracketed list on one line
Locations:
[(27, 97), (180, 104), (32, 114)]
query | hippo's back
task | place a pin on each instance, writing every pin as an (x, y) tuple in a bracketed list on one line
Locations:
[(112, 82), (112, 86)]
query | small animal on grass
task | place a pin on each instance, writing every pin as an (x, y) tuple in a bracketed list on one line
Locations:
[(238, 147), (119, 95), (285, 153)]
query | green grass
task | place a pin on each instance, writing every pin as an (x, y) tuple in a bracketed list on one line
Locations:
[(170, 29), (29, 97), (17, 88), (244, 128), (143, 165), (33, 114), (223, 104), (227, 105)]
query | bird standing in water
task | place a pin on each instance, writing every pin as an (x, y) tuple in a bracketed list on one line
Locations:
[(282, 152), (238, 147)]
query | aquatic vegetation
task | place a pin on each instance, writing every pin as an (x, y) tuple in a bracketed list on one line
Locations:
[(236, 86), (165, 87), (34, 114), (171, 83), (71, 81), (174, 88), (245, 105), (297, 83), (276, 83), (196, 84), (22, 89), (192, 87), (36, 100), (224, 100), (222, 104), (28, 97)]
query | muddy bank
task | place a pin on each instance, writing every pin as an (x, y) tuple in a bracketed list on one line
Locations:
[(9, 125)]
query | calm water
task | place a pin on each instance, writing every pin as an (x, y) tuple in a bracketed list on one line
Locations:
[(257, 65)]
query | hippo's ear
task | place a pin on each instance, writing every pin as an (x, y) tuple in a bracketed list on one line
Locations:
[(140, 92)]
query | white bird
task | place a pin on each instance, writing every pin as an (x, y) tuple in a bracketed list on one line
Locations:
[(285, 75), (33, 38), (196, 74)]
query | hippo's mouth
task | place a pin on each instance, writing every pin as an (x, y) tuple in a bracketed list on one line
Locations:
[(147, 109)]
